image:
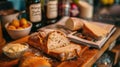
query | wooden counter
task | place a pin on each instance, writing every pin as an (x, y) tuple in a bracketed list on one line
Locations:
[(87, 59)]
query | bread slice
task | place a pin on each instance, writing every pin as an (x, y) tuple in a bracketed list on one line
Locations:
[(94, 30), (68, 52), (56, 39)]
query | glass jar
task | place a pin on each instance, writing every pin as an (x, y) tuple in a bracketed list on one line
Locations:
[(51, 13), (86, 8)]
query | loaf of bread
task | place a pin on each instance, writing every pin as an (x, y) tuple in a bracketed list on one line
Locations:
[(74, 23), (30, 60), (55, 44), (94, 31)]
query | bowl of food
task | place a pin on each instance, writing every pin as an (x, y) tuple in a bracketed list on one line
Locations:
[(18, 28), (15, 50)]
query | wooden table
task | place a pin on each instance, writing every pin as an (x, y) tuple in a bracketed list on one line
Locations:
[(87, 59)]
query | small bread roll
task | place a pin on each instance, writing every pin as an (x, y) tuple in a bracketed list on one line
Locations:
[(74, 24)]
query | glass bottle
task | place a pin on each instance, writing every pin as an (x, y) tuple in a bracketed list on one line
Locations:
[(63, 8), (96, 4), (51, 11), (34, 13)]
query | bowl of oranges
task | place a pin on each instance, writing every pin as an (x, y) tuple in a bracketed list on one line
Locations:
[(18, 28)]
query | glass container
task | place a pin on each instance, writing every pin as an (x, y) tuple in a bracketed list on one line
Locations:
[(86, 8)]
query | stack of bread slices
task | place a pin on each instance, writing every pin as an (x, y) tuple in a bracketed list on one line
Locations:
[(55, 44)]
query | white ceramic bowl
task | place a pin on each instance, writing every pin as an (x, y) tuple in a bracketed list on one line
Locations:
[(15, 50), (18, 33)]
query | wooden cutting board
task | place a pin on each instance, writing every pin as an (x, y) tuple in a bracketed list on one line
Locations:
[(7, 62)]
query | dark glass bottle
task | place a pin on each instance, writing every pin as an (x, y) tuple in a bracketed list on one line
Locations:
[(96, 5), (34, 13), (51, 11)]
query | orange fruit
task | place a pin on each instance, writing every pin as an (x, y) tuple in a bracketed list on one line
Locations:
[(26, 25), (11, 27), (23, 21), (20, 28), (15, 23)]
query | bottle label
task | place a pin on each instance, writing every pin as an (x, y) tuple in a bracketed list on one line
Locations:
[(52, 9), (35, 12)]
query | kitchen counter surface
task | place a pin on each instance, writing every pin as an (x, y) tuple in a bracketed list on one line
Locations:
[(87, 59)]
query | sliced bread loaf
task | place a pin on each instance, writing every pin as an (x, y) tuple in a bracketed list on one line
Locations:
[(55, 44)]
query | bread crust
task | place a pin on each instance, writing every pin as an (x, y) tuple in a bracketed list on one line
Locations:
[(35, 40), (52, 35)]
